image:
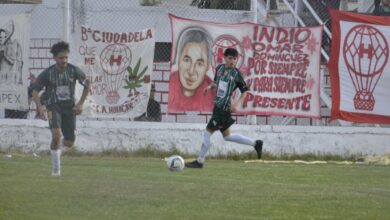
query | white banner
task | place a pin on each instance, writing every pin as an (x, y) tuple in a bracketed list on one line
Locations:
[(119, 65), (14, 52), (364, 86), (359, 68)]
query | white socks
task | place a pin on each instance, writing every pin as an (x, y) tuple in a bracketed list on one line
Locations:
[(56, 162), (240, 139), (205, 147), (237, 138)]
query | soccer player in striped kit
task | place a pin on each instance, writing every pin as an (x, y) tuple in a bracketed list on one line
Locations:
[(226, 80), (59, 81)]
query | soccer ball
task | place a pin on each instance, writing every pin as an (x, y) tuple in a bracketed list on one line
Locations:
[(175, 163)]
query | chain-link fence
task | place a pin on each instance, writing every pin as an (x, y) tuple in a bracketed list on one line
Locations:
[(133, 15), (48, 28)]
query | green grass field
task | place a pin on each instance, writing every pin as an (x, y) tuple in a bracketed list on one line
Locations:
[(142, 188)]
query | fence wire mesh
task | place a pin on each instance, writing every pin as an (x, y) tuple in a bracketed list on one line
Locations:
[(133, 15)]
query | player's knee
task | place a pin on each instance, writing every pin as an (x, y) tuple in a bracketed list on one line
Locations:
[(68, 143), (56, 137)]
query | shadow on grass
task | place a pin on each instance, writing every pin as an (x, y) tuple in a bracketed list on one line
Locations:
[(154, 152)]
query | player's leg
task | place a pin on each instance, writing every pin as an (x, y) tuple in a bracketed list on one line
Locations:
[(237, 138), (241, 139), (198, 163), (56, 152), (54, 118), (205, 145), (68, 127), (217, 121)]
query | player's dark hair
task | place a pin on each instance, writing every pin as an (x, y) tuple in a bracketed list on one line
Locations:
[(59, 47), (231, 52)]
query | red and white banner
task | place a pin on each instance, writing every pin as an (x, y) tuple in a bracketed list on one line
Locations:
[(14, 52), (279, 64), (119, 65), (359, 68)]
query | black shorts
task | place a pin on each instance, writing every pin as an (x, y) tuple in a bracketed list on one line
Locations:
[(62, 116), (220, 120)]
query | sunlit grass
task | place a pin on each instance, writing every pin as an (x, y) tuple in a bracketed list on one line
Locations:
[(111, 187)]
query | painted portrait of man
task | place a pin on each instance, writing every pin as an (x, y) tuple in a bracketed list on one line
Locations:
[(193, 60)]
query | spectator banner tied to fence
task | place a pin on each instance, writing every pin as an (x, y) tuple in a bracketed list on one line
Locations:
[(359, 68), (281, 66), (14, 52), (119, 66)]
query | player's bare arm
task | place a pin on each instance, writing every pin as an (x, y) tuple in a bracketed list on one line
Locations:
[(78, 108), (37, 100), (210, 87), (234, 107)]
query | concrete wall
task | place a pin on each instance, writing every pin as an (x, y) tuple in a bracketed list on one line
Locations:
[(96, 136)]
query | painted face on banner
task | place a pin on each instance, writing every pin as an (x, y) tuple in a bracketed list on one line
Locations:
[(61, 60), (193, 66)]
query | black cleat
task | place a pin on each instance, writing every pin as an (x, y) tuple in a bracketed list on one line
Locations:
[(259, 148), (194, 164)]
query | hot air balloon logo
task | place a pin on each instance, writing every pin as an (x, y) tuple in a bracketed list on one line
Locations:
[(114, 59), (366, 53), (223, 42)]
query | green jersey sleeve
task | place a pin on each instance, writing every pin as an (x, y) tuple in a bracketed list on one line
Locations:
[(41, 81), (80, 76), (240, 82)]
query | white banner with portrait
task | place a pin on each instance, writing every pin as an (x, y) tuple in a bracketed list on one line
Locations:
[(14, 52), (118, 65), (281, 66)]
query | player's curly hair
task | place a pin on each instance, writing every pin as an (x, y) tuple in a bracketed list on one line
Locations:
[(59, 47)]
